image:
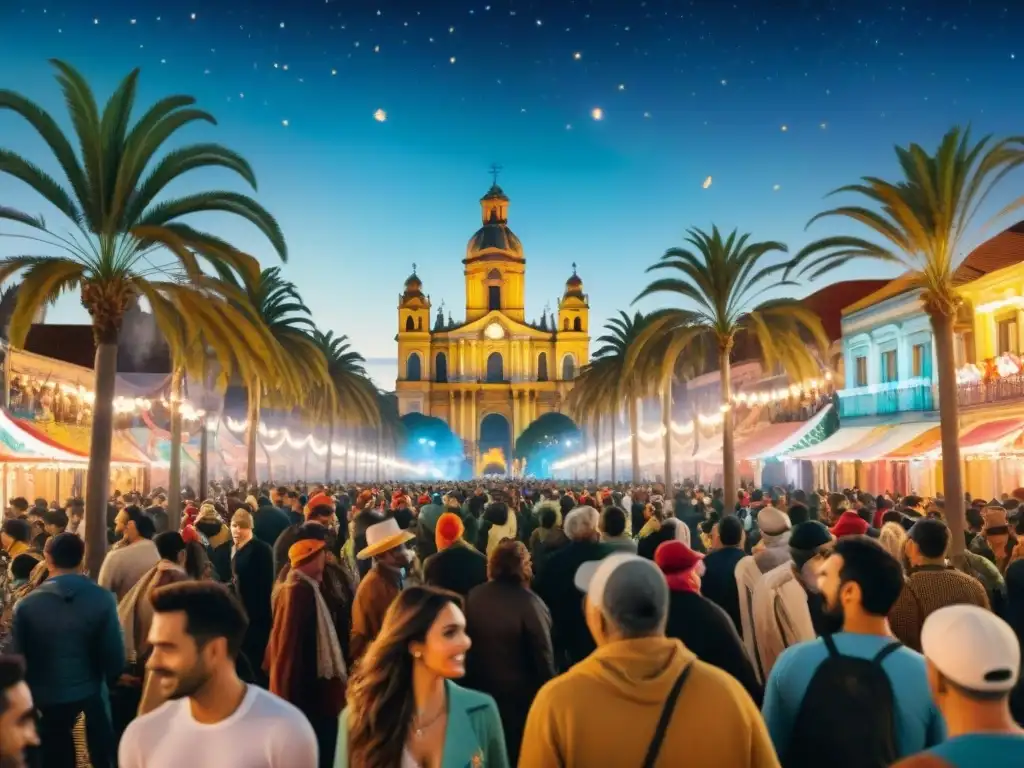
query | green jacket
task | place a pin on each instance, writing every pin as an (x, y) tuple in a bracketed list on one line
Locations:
[(473, 737)]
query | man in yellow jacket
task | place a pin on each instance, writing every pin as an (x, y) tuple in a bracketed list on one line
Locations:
[(640, 699)]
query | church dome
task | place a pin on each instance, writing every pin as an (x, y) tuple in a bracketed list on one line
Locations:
[(413, 285), (574, 285), (494, 237), (491, 237)]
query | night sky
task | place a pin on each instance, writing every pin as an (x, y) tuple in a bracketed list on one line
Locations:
[(778, 101)]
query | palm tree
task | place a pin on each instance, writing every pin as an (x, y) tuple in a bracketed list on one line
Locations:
[(634, 381), (594, 394), (301, 368), (920, 221), (116, 237), (205, 334), (351, 395), (724, 278)]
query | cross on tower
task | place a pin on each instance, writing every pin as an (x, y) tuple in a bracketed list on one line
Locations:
[(495, 170), (573, 268), (414, 267)]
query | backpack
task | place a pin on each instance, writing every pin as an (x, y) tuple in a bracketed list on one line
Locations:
[(848, 715)]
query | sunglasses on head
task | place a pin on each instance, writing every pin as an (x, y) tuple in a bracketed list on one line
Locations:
[(997, 530)]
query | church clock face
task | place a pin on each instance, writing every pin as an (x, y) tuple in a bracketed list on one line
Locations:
[(494, 331)]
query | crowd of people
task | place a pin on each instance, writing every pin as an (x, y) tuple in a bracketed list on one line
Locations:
[(513, 623)]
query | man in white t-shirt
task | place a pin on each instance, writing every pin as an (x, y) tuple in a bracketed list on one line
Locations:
[(211, 719)]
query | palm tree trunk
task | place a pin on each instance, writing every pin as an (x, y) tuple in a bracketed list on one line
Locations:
[(174, 480), (728, 452), (634, 439), (204, 459), (615, 417), (270, 466), (949, 430), (330, 450), (666, 424), (98, 485), (597, 448), (253, 432)]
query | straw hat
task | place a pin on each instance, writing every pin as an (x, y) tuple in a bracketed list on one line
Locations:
[(383, 536)]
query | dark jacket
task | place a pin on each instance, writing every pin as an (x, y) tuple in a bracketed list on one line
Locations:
[(512, 656), (458, 569), (718, 583), (544, 542), (707, 630), (253, 570), (68, 631), (555, 586), (268, 523)]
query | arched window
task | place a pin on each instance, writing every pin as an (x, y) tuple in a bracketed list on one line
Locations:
[(441, 368), (568, 368), (413, 367), (495, 368), (494, 290), (410, 324), (542, 366), (565, 324), (577, 324), (419, 323)]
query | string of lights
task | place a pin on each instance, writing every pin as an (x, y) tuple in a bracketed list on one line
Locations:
[(812, 386)]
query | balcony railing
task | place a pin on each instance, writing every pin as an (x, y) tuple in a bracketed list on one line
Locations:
[(994, 390), (893, 397)]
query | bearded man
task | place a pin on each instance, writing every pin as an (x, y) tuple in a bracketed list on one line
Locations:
[(196, 635)]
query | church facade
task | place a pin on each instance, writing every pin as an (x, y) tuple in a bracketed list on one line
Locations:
[(491, 375)]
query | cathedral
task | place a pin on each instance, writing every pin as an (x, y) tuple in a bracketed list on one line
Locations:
[(491, 375)]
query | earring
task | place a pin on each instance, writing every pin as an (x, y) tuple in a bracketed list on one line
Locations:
[(417, 654)]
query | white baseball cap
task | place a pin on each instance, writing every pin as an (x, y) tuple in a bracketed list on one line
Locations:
[(972, 647), (630, 590)]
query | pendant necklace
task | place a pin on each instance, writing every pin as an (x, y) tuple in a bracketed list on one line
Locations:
[(421, 727)]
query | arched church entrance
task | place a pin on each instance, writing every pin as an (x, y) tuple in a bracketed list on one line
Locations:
[(495, 444)]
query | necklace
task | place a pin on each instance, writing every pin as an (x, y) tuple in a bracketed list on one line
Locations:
[(419, 728)]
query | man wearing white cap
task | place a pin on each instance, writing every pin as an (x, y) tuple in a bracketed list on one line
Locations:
[(677, 709), (973, 661), (386, 544)]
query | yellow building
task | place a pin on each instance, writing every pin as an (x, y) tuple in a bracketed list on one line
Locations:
[(494, 373)]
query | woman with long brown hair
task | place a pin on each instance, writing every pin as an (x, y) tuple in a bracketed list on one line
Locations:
[(403, 710)]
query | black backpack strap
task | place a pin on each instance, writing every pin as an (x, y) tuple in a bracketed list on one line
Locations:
[(666, 717), (830, 645), (883, 654)]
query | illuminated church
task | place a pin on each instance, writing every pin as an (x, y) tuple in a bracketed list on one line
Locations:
[(492, 374)]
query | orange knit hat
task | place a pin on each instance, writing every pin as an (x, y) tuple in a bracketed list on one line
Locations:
[(449, 530), (303, 550)]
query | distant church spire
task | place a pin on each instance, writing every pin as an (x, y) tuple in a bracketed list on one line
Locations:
[(495, 170)]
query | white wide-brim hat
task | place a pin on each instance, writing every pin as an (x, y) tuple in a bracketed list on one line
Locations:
[(380, 537)]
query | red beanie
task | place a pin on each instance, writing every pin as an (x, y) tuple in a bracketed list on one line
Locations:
[(850, 524), (188, 533), (677, 561)]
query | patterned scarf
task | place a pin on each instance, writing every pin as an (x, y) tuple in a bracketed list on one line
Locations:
[(330, 664)]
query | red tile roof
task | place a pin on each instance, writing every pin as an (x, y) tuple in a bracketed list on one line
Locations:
[(1003, 250), (830, 301)]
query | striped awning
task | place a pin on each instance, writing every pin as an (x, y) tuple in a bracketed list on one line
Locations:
[(865, 443)]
